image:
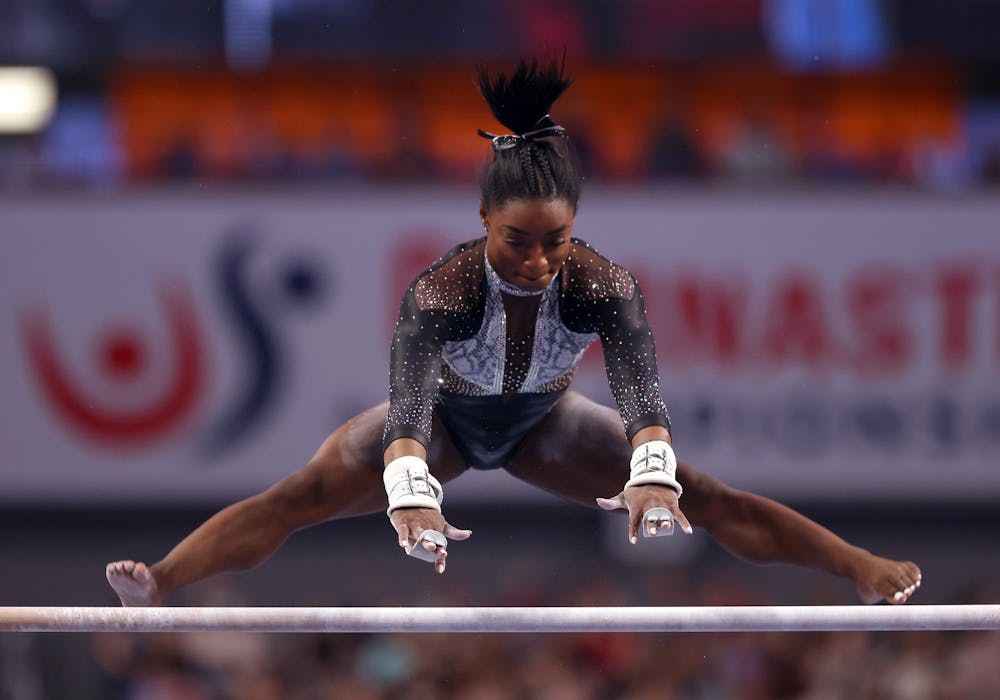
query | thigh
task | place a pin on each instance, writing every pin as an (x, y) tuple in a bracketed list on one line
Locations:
[(579, 451), (344, 477)]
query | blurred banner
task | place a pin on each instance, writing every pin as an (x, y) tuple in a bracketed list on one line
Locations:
[(181, 348)]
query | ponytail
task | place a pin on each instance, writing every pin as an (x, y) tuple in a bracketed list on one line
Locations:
[(534, 161)]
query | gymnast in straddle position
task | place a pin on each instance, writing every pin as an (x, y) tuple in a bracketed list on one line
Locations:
[(482, 357)]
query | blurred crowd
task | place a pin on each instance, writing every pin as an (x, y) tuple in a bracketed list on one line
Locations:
[(207, 130), (771, 92), (774, 666), (598, 666)]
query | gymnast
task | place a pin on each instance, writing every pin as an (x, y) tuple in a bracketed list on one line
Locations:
[(484, 350)]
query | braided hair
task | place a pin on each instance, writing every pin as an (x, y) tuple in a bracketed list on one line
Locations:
[(539, 167)]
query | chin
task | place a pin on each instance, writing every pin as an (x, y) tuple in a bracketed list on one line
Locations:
[(529, 286)]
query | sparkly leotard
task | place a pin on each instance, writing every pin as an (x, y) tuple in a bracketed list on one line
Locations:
[(452, 352)]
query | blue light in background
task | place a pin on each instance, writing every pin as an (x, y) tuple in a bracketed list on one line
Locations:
[(82, 143), (811, 35)]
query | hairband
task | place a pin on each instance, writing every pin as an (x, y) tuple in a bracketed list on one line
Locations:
[(502, 142)]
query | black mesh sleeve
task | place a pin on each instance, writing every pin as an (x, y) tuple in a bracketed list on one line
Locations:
[(630, 361), (604, 298), (444, 303), (415, 371)]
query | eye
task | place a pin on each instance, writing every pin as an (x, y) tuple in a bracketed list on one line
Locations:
[(513, 242), (557, 242)]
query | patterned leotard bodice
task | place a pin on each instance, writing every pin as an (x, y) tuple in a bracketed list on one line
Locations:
[(452, 335)]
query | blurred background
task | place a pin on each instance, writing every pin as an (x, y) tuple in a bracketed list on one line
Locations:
[(209, 212)]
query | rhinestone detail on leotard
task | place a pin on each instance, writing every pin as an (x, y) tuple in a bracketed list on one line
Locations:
[(452, 335)]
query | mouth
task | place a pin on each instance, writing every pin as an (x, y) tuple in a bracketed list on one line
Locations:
[(533, 283)]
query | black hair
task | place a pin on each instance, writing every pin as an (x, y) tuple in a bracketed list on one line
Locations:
[(540, 167)]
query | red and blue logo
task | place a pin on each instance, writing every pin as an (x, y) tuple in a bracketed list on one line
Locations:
[(251, 311)]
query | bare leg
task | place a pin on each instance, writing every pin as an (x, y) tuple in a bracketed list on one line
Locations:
[(579, 451), (343, 478)]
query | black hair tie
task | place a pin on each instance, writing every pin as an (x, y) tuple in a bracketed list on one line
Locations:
[(502, 142)]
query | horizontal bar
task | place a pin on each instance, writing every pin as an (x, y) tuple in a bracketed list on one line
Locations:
[(506, 619)]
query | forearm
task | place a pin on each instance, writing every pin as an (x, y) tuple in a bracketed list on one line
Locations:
[(652, 432), (404, 447)]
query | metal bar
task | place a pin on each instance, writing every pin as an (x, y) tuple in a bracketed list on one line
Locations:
[(505, 619)]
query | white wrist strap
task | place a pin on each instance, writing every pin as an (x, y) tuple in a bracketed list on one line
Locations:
[(654, 462), (409, 484)]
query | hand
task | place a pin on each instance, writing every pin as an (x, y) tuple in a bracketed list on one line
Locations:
[(638, 500), (410, 523)]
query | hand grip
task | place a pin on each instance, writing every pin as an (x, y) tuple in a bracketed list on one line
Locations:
[(418, 550), (657, 516)]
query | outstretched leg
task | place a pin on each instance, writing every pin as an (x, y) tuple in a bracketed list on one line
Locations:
[(579, 451), (343, 478)]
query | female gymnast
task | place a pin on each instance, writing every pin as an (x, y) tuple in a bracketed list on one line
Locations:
[(482, 357)]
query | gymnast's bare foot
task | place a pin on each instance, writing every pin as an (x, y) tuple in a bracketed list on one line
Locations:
[(133, 583), (884, 579)]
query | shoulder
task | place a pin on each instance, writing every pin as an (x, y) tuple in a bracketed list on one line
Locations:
[(589, 275), (455, 281)]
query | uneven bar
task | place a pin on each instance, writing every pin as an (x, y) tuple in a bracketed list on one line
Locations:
[(502, 619)]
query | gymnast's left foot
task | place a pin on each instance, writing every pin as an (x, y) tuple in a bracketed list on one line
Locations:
[(884, 579), (134, 583)]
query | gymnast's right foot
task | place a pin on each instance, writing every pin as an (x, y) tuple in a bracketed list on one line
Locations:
[(133, 583)]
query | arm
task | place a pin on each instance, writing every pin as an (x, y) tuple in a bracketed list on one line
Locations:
[(630, 361), (404, 447), (652, 432), (414, 372), (414, 494)]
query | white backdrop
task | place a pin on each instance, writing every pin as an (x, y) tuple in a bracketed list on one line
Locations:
[(180, 347)]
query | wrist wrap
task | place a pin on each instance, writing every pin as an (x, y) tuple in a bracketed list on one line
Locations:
[(654, 462), (409, 484)]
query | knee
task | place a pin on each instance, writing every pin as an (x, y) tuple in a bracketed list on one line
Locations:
[(295, 500)]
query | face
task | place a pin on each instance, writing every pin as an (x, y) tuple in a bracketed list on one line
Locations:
[(527, 240)]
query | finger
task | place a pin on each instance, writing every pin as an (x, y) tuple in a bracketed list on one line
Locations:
[(616, 503), (453, 533), (682, 520), (440, 563), (634, 522), (657, 520), (430, 546), (659, 525), (404, 535)]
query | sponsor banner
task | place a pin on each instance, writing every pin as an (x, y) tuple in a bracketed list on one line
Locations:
[(195, 348)]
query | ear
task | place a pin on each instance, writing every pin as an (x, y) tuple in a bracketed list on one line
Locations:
[(482, 214)]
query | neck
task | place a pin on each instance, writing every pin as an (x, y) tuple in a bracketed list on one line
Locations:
[(508, 288)]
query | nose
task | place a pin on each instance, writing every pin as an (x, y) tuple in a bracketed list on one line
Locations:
[(536, 263)]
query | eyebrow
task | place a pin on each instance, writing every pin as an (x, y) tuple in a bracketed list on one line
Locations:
[(553, 232)]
